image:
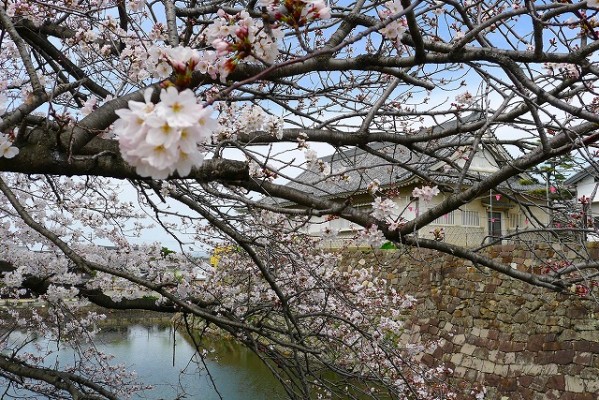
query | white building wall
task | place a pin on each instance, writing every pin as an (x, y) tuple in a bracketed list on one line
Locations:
[(586, 187)]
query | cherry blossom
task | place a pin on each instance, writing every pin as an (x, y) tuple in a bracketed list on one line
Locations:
[(241, 37), (394, 224), (373, 186), (7, 150), (382, 209), (465, 98), (393, 30), (285, 77), (425, 193), (297, 12), (163, 138), (89, 105)]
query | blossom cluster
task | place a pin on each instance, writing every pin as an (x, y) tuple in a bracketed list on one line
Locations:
[(360, 328), (159, 139), (163, 61), (382, 208), (297, 13), (425, 193), (234, 119), (243, 37), (565, 69), (235, 38), (393, 30)]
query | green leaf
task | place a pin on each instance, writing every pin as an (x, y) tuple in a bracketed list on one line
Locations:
[(388, 246)]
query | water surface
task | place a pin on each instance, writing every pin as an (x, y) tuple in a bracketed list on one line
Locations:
[(228, 370)]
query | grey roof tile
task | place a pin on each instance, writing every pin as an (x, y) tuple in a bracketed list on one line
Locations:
[(364, 167)]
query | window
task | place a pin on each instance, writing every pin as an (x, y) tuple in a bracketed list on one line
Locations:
[(470, 218), (515, 220), (447, 219)]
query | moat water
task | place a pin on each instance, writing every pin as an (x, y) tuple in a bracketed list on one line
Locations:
[(170, 363)]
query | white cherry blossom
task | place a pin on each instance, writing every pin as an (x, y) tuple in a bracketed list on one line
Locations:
[(7, 150), (161, 139)]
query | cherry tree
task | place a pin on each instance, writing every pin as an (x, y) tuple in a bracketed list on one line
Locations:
[(208, 111)]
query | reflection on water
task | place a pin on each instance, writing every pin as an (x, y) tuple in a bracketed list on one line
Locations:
[(237, 373)]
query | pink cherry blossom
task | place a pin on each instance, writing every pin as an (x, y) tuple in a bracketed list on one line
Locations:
[(382, 209), (425, 193), (395, 29)]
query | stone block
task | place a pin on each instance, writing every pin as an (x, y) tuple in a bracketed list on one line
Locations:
[(439, 352), (526, 358), (512, 346), (583, 358), (447, 327), (493, 334), (487, 367), (481, 353), (535, 343), (428, 360), (574, 384), (509, 358), (508, 384), (532, 369), (552, 346), (521, 336), (545, 357), (577, 312), (592, 385), (491, 380), (590, 336), (563, 357), (549, 369), (556, 382), (468, 349), (476, 364), (539, 384), (459, 339), (493, 356), (525, 380), (577, 396), (566, 345), (457, 358), (472, 375)]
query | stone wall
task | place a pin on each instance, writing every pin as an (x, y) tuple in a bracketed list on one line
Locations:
[(519, 341)]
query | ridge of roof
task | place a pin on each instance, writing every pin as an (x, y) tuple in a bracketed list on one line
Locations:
[(583, 173), (366, 167)]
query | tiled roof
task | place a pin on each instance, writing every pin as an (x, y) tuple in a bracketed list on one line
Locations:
[(364, 167), (591, 169)]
